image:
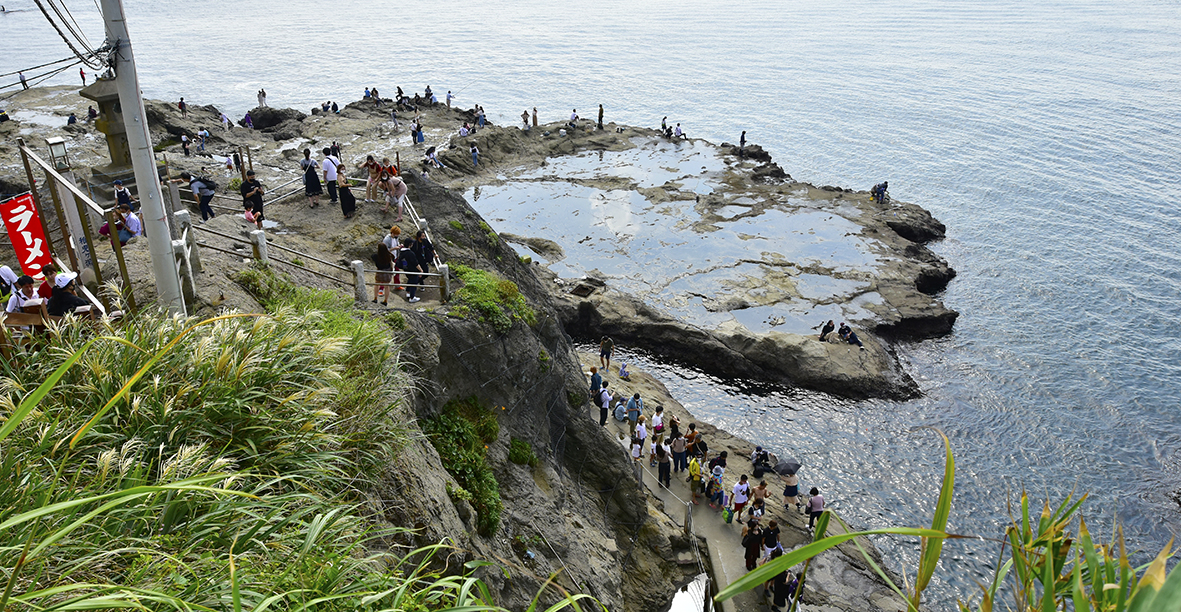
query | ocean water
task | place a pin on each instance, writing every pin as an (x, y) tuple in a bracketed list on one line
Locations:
[(1045, 134)]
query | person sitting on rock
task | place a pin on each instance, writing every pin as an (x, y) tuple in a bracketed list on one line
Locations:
[(843, 331), (623, 373), (853, 339), (826, 330)]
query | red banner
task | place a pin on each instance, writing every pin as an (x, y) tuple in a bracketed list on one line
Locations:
[(26, 234)]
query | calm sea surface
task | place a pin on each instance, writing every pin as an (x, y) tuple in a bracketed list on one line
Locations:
[(1046, 135)]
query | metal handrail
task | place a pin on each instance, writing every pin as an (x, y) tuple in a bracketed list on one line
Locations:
[(49, 169), (283, 248)]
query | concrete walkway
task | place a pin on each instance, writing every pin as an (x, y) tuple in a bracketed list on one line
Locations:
[(726, 555)]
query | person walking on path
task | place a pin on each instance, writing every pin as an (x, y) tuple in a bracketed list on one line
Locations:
[(596, 381), (24, 83), (642, 430), (252, 191), (395, 193), (204, 194), (348, 202), (741, 493), (606, 347), (203, 134), (383, 260), (694, 479), (409, 262), (330, 164), (603, 397), (635, 410), (771, 540), (752, 541), (742, 145), (678, 449), (663, 464), (791, 492), (600, 116), (311, 179), (758, 495), (815, 506)]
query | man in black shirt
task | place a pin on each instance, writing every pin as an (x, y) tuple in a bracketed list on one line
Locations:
[(252, 194), (410, 262), (64, 299)]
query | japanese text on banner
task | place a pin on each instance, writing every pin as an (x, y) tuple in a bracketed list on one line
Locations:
[(26, 234)]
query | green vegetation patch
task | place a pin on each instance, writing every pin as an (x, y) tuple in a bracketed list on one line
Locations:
[(521, 453), (461, 434), (495, 300), (455, 225)]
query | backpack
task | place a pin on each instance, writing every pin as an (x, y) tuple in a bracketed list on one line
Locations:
[(210, 184)]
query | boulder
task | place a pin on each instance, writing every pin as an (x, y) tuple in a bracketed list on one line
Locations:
[(265, 117)]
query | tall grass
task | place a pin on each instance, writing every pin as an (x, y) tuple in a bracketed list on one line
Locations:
[(1042, 565), (213, 465)]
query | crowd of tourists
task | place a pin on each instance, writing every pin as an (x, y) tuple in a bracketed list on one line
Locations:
[(657, 438)]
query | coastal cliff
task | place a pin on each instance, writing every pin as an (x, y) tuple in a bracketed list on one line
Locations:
[(575, 510)]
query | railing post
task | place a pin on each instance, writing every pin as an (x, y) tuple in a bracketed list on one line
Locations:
[(259, 239), (173, 203), (37, 197), (359, 280), (184, 221), (117, 247), (444, 283)]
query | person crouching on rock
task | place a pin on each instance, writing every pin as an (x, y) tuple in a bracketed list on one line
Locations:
[(826, 330)]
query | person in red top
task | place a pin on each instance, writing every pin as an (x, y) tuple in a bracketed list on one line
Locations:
[(45, 291)]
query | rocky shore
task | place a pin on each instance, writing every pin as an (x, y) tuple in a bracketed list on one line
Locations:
[(578, 513)]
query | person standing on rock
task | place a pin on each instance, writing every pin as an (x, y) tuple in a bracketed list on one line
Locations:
[(311, 179), (600, 116), (642, 431), (449, 98), (329, 165), (534, 116), (374, 170), (252, 191), (184, 143), (742, 145), (791, 492), (383, 259), (203, 134), (606, 347), (573, 118), (678, 450), (596, 381), (24, 83), (475, 155), (225, 121), (815, 506), (262, 97), (82, 73), (184, 109), (348, 202)]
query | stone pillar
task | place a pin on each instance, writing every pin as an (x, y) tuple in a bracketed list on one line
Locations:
[(359, 280), (259, 239)]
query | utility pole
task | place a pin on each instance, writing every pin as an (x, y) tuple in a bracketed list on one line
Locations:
[(151, 198)]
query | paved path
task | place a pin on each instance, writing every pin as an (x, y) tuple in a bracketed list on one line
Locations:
[(724, 540)]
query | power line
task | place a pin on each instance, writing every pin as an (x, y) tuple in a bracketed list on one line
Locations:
[(71, 16), (46, 76), (66, 59), (87, 59)]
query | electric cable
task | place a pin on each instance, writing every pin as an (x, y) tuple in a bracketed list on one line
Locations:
[(86, 59), (64, 59)]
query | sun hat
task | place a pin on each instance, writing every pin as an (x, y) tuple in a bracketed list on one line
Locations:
[(64, 279)]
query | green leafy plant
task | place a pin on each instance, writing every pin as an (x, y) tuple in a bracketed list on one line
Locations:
[(489, 232), (495, 300), (234, 184), (455, 225), (521, 453), (544, 359), (297, 261), (461, 434)]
